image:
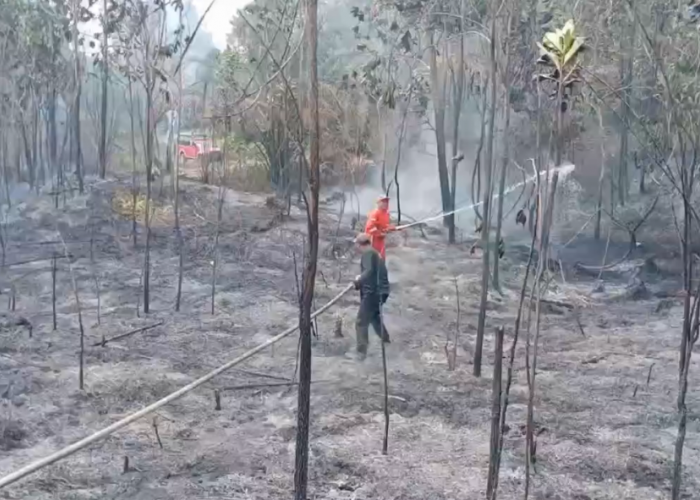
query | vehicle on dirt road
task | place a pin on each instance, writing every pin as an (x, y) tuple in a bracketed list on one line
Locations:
[(194, 147)]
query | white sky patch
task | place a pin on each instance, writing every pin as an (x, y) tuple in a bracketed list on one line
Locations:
[(218, 21)]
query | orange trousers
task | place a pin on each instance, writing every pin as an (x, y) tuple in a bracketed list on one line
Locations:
[(379, 245)]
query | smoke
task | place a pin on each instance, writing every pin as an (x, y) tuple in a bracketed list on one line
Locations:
[(418, 176), (420, 193), (200, 62)]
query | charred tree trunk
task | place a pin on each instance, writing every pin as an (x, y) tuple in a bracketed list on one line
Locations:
[(309, 276), (488, 192), (476, 173), (496, 392), (601, 179), (134, 190), (399, 147), (458, 97), (439, 108), (690, 331), (28, 160), (382, 131), (626, 70), (36, 157), (176, 195), (506, 149), (149, 177), (204, 159), (78, 93), (105, 77)]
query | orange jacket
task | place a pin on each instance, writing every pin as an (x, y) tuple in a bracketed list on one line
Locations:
[(378, 223)]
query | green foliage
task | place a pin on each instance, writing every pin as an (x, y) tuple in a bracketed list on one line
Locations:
[(248, 166), (562, 47), (559, 52), (244, 152), (32, 35), (390, 42), (229, 65)]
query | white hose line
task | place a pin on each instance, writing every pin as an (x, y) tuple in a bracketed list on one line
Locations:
[(69, 450), (563, 170)]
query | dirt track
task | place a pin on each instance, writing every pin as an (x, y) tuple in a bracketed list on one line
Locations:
[(606, 433)]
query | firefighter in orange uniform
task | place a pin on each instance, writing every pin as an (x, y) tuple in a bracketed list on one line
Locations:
[(378, 225)]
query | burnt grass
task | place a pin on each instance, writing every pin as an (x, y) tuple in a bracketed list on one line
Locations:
[(604, 404)]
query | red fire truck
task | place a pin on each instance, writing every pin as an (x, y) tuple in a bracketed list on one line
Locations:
[(193, 147)]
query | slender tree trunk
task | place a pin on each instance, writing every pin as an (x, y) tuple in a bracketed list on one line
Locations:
[(78, 94), (42, 150), (5, 170), (27, 154), (53, 292), (543, 250), (134, 190), (506, 148), (689, 333), (382, 131), (399, 147), (309, 277), (219, 215), (488, 194), (456, 114), (303, 119), (149, 176), (439, 108), (105, 77), (495, 414), (601, 179), (642, 174), (509, 373), (176, 194), (36, 163), (203, 159), (52, 138), (626, 77), (550, 190), (476, 173)]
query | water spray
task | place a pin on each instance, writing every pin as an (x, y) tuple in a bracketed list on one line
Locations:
[(562, 170)]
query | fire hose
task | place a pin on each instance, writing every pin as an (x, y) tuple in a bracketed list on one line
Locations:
[(79, 445), (563, 170)]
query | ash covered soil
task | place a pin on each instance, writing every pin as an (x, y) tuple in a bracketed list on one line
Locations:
[(604, 404)]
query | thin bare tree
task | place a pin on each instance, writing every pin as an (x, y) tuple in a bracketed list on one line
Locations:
[(105, 89), (514, 10), (78, 82), (487, 194), (301, 463)]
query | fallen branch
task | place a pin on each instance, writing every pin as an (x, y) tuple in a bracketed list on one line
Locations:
[(127, 334)]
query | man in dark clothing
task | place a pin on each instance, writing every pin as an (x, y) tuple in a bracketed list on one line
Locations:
[(373, 284)]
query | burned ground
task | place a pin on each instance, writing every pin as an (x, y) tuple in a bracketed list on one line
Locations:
[(604, 404)]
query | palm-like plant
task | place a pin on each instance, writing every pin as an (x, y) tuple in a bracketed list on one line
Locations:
[(559, 52)]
